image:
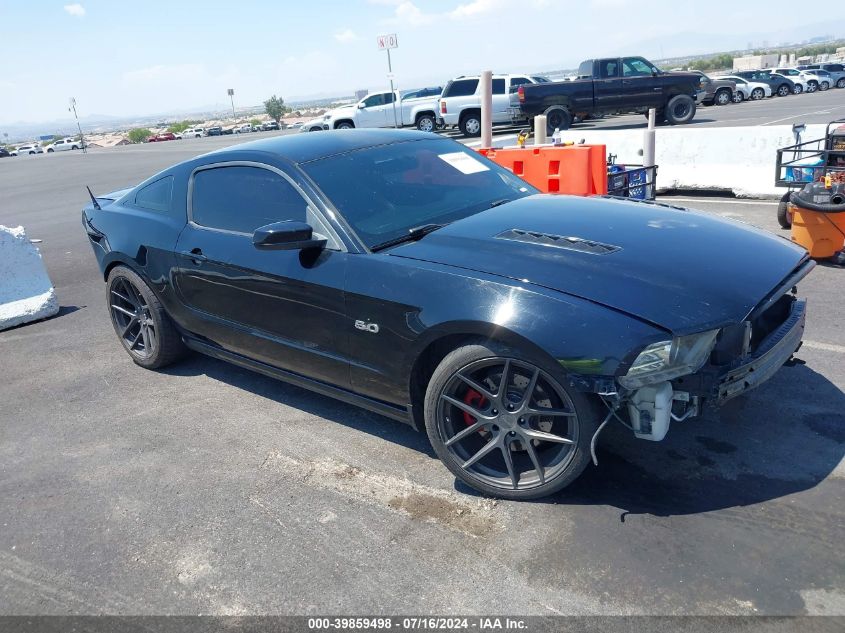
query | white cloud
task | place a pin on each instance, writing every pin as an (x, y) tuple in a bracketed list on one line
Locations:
[(475, 8), (75, 9), (345, 36)]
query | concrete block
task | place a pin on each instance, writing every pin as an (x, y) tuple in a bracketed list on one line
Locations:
[(26, 293)]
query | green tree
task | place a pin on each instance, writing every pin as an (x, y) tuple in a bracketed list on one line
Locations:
[(139, 135), (176, 128), (255, 122), (276, 108)]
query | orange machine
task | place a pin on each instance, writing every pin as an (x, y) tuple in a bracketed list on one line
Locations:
[(579, 170), (818, 219)]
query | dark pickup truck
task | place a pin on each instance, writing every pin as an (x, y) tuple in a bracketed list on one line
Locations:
[(611, 85)]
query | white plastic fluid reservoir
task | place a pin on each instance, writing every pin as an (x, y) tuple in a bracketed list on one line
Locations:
[(650, 410)]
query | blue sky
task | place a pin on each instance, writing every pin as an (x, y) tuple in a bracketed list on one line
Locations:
[(121, 58)]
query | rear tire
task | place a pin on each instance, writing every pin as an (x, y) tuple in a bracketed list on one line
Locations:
[(784, 218), (557, 119), (470, 124), (680, 109), (142, 325), (50, 151), (426, 123), (512, 464)]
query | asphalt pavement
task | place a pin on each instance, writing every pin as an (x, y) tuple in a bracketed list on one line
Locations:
[(205, 488)]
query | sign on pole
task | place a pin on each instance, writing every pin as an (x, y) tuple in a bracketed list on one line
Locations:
[(387, 41), (231, 91)]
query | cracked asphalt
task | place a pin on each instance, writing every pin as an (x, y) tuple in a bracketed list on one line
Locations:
[(207, 489)]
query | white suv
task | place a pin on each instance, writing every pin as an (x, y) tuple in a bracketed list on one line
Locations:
[(192, 132), (460, 103), (33, 148)]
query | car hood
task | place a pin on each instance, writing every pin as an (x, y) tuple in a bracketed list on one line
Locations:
[(682, 270)]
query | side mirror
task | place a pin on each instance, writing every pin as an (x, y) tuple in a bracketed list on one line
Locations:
[(361, 106), (286, 236)]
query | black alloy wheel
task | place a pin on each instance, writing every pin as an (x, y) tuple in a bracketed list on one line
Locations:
[(505, 426), (143, 327), (132, 320)]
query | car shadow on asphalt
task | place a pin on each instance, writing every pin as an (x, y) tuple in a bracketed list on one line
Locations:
[(785, 437), (600, 125), (304, 400)]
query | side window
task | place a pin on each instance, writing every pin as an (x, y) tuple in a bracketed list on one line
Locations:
[(498, 86), (461, 88), (635, 67), (518, 81), (609, 68), (241, 199), (388, 98), (156, 195), (374, 100)]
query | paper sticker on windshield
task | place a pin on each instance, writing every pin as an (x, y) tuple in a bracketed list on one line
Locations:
[(464, 163)]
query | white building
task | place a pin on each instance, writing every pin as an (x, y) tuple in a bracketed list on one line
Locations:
[(753, 62)]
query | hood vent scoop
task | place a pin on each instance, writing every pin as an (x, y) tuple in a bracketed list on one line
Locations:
[(558, 241)]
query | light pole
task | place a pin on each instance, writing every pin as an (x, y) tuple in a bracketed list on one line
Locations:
[(78, 126), (232, 98)]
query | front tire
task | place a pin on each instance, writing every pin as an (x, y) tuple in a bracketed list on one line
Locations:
[(841, 83), (783, 90), (723, 97), (505, 424), (738, 97), (344, 125), (50, 151), (824, 86), (757, 94), (798, 89), (680, 109), (143, 327)]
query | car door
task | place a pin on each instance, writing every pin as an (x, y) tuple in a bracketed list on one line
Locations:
[(281, 307), (608, 85), (372, 111), (640, 86), (501, 100)]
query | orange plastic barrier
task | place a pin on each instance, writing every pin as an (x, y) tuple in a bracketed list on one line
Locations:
[(822, 234), (579, 170)]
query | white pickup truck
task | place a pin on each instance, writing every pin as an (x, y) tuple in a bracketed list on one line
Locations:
[(63, 144), (376, 110)]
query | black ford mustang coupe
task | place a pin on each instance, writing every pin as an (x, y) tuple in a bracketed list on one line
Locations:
[(401, 272)]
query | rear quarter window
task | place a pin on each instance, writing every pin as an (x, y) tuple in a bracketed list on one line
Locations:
[(461, 88), (156, 196)]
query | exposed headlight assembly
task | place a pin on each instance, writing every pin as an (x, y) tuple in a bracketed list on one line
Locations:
[(669, 359)]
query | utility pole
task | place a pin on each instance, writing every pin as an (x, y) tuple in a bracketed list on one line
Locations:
[(78, 126), (232, 98)]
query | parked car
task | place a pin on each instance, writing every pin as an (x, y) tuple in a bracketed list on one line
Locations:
[(404, 273), (716, 91), (747, 90), (4, 152), (243, 129), (161, 136), (215, 130), (31, 148), (377, 110), (780, 85), (460, 102), (228, 130), (613, 85), (271, 125), (63, 145), (824, 78), (317, 124), (434, 91), (835, 70), (802, 82), (192, 132)]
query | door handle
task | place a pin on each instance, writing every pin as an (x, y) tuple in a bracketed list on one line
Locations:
[(195, 255)]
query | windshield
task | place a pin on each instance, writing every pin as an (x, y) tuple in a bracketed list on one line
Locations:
[(385, 191)]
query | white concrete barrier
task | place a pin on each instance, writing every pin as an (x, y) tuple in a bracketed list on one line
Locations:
[(26, 293), (740, 159)]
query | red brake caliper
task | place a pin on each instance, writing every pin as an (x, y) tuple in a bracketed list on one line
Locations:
[(473, 399)]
